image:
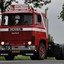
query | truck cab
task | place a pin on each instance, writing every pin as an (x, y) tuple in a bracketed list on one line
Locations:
[(23, 31)]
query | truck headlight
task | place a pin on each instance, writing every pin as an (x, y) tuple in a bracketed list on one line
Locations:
[(29, 43), (2, 43)]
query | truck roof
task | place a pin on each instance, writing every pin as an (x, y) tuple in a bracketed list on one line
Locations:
[(21, 8), (23, 11)]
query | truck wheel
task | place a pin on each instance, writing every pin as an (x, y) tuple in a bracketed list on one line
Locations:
[(41, 52), (9, 57), (58, 58), (34, 57), (61, 55)]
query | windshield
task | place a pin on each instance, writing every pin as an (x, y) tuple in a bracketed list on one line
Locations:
[(17, 19)]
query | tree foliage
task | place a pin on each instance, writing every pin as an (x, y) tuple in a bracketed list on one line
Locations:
[(50, 38), (5, 3), (38, 3), (62, 13)]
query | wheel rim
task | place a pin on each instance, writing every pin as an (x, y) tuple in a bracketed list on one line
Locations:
[(42, 51)]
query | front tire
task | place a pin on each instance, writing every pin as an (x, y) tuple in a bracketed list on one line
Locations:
[(61, 53), (41, 51), (9, 57), (34, 57), (40, 54)]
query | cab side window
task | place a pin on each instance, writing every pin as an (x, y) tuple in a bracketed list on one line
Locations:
[(37, 18)]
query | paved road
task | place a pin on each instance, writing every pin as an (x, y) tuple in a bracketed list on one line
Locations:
[(33, 62)]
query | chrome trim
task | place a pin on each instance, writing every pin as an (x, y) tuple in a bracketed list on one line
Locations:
[(21, 48)]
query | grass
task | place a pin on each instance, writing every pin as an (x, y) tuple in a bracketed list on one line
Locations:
[(20, 57), (2, 58), (51, 58)]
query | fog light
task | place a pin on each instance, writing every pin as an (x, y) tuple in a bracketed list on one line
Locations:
[(2, 43), (29, 43)]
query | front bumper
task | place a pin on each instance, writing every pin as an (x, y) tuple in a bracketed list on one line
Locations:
[(25, 50), (22, 48)]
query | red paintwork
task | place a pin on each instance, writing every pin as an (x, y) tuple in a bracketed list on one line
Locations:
[(24, 36)]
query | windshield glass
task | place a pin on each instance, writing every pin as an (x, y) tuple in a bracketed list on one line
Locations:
[(17, 19)]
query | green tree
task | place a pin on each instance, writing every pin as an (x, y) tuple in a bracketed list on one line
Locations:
[(62, 13), (50, 38), (38, 3), (5, 3)]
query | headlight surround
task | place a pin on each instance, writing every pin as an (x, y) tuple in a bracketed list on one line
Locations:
[(29, 43), (2, 43)]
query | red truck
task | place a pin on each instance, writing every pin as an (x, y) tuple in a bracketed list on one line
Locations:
[(24, 31)]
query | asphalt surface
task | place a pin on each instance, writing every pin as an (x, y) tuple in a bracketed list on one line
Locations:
[(33, 62)]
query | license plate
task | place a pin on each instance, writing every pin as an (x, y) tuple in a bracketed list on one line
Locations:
[(16, 51)]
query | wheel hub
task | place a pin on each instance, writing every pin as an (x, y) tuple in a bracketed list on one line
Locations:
[(41, 51)]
